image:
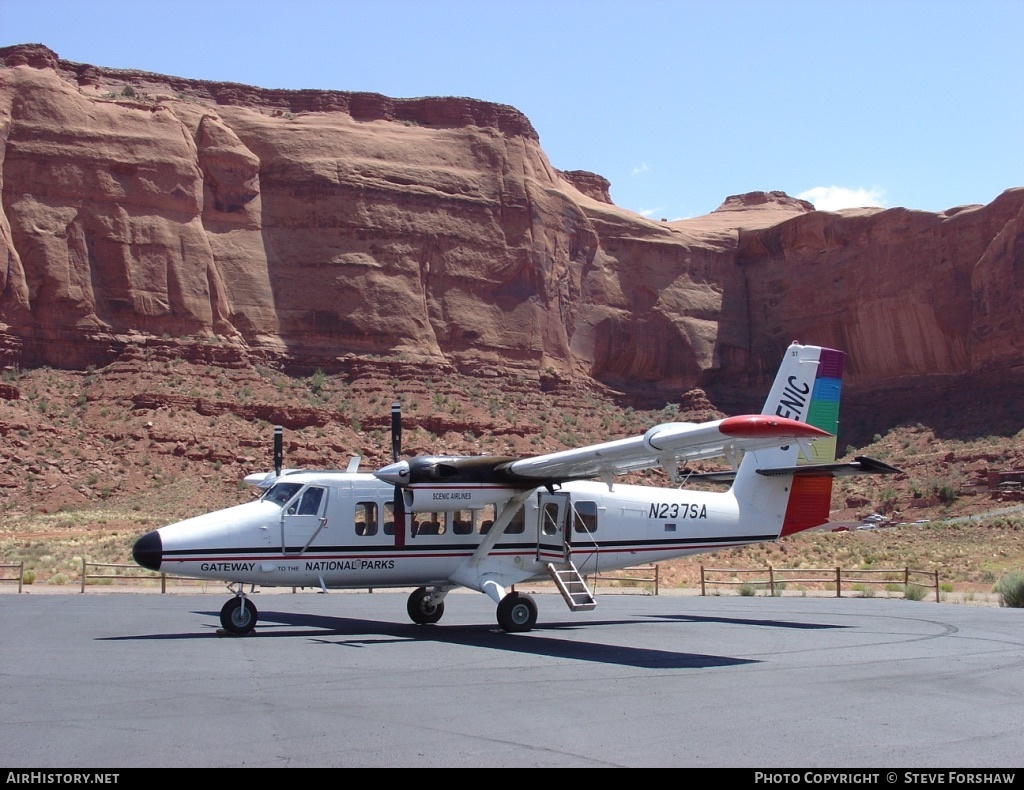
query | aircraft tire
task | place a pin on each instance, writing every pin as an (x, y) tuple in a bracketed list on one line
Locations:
[(420, 610), (236, 619), (517, 613)]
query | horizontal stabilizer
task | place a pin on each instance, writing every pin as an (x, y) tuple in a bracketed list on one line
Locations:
[(861, 465)]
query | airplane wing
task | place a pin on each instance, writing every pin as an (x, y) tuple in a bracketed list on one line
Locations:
[(667, 445)]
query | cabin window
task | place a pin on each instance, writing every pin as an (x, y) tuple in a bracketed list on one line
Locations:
[(584, 517), (462, 522), (485, 520), (366, 519), (489, 514), (428, 524), (281, 493), (518, 524)]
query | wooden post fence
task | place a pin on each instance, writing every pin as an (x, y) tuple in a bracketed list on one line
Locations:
[(777, 577)]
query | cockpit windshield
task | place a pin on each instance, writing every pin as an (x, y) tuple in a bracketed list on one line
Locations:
[(281, 493)]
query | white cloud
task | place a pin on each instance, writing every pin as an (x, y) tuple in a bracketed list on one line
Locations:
[(834, 198), (641, 168)]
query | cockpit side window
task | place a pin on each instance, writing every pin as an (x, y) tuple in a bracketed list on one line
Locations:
[(309, 505), (281, 493)]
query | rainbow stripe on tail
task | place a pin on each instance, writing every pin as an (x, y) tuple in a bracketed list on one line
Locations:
[(823, 411)]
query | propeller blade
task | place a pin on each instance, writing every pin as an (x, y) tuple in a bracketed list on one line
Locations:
[(278, 449), (396, 453), (396, 430)]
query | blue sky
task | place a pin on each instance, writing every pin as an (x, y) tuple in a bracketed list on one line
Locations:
[(679, 103)]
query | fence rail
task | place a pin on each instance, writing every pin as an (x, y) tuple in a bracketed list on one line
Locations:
[(20, 578), (127, 572), (779, 577), (651, 575)]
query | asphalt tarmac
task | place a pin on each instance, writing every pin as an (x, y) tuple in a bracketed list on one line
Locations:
[(101, 681)]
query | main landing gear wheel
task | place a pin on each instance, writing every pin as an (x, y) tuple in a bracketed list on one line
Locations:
[(239, 615), (517, 613), (421, 611)]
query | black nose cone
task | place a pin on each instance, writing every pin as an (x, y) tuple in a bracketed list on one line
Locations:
[(148, 551)]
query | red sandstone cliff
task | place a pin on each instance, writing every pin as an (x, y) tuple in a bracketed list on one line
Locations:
[(316, 227)]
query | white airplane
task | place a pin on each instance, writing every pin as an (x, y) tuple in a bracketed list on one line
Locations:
[(487, 523)]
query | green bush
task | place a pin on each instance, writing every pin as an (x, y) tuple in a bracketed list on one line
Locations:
[(748, 589), (1011, 590), (914, 592)]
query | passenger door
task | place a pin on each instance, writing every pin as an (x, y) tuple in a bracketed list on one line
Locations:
[(304, 518), (552, 536)]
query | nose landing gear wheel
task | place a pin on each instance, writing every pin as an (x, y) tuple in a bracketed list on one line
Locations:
[(421, 611), (517, 613), (239, 615)]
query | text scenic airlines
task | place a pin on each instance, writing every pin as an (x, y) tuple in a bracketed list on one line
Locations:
[(487, 523)]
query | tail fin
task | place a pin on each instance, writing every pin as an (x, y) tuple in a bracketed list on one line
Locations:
[(807, 388)]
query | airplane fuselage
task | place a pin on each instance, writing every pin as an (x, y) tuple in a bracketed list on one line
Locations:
[(337, 530)]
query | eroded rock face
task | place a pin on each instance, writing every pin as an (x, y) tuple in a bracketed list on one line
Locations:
[(314, 227)]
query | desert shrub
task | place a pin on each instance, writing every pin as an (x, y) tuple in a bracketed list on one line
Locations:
[(58, 578), (29, 577), (1011, 590), (317, 381), (748, 589), (914, 592)]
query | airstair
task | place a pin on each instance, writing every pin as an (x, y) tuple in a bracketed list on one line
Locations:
[(572, 586)]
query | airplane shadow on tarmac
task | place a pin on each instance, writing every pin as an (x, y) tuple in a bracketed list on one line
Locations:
[(356, 632)]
